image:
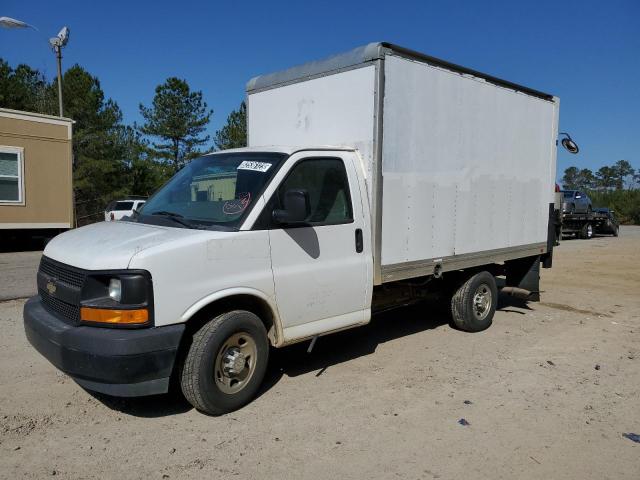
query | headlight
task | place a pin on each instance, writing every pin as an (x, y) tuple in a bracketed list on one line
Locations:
[(118, 299), (115, 289)]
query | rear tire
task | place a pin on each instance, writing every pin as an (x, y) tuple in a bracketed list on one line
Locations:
[(616, 231), (587, 232), (474, 303), (226, 363)]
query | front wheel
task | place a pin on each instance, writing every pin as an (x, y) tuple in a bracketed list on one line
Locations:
[(474, 303), (226, 363)]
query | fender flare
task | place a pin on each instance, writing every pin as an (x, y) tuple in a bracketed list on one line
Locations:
[(230, 292)]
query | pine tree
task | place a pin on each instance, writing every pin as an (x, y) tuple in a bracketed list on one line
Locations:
[(569, 180), (234, 133), (177, 117)]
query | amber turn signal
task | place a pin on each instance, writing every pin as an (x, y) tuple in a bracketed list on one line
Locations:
[(123, 317)]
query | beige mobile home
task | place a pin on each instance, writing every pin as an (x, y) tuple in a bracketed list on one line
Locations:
[(36, 194)]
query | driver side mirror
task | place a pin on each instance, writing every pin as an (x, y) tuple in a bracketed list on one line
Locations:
[(296, 208)]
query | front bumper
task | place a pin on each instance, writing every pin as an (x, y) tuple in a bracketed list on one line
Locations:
[(124, 363)]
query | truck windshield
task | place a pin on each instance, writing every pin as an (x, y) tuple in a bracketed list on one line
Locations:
[(212, 190)]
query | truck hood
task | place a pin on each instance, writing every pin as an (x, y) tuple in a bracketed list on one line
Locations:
[(110, 245)]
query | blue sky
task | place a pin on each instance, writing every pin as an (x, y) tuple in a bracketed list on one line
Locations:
[(586, 52)]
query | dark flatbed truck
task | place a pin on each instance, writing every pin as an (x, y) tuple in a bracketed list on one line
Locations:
[(583, 225)]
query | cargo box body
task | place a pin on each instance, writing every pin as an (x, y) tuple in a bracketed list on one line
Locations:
[(460, 166)]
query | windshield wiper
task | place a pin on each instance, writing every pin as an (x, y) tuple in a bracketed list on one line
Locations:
[(176, 217)]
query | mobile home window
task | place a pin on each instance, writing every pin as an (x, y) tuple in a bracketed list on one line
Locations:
[(11, 181)]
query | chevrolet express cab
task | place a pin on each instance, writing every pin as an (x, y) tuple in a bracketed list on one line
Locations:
[(404, 177)]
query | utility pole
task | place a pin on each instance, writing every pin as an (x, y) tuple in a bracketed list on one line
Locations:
[(58, 50), (57, 43)]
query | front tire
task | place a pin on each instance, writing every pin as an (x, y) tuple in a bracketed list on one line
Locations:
[(226, 363), (474, 303)]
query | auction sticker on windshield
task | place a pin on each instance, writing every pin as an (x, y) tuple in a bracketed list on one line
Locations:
[(255, 166)]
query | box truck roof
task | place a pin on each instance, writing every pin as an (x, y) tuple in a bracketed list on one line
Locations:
[(366, 54)]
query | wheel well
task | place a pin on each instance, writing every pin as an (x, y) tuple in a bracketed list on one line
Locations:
[(249, 303)]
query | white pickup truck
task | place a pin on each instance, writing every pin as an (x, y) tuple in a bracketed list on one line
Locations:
[(439, 180)]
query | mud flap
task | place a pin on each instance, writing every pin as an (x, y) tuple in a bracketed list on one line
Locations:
[(524, 274), (554, 229)]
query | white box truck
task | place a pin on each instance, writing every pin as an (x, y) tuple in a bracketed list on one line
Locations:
[(401, 176)]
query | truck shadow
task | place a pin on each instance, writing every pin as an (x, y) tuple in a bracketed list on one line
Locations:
[(329, 351), (153, 406), (350, 344)]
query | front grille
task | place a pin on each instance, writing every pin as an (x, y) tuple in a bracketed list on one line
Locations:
[(62, 308), (64, 298), (62, 272)]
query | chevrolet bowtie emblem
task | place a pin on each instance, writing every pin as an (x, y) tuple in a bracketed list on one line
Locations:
[(51, 287)]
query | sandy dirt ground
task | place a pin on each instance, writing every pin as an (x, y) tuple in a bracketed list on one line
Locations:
[(548, 392), (18, 274)]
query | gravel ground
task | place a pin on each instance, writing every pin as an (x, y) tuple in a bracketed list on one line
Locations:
[(18, 279), (548, 392)]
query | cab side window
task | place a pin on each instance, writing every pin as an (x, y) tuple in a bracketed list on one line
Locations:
[(325, 179)]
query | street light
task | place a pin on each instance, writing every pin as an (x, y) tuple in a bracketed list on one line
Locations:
[(8, 22), (57, 43)]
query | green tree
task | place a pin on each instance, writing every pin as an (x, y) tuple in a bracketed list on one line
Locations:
[(24, 88), (145, 175), (99, 143), (234, 133), (605, 178), (570, 178), (585, 179), (178, 117), (621, 171)]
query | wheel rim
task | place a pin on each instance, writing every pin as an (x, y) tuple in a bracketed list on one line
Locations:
[(482, 300), (235, 362), (589, 231)]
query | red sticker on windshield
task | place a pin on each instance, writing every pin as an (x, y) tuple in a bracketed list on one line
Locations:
[(238, 205)]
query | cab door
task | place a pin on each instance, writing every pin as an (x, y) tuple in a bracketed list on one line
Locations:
[(321, 268)]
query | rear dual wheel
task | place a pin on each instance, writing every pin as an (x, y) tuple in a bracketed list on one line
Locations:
[(226, 363), (474, 303)]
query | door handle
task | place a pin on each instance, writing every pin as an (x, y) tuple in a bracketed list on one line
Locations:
[(359, 241)]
